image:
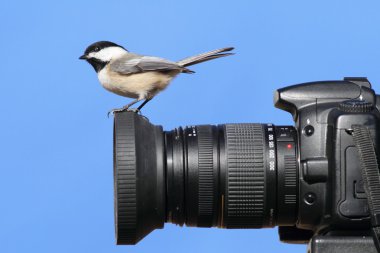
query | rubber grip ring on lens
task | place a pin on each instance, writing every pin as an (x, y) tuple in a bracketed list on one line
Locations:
[(205, 176), (245, 176)]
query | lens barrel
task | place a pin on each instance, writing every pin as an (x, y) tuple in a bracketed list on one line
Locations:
[(227, 176)]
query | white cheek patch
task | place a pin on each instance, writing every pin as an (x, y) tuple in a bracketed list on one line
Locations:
[(106, 54)]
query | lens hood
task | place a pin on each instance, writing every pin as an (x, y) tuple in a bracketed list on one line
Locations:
[(139, 177)]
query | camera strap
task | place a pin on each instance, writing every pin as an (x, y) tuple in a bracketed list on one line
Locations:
[(370, 177)]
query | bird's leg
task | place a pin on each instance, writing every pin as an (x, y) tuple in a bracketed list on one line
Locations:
[(130, 104), (144, 103), (126, 108)]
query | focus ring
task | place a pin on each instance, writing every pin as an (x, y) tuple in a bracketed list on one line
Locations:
[(245, 176), (205, 176)]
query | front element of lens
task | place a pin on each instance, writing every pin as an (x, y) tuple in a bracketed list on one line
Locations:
[(232, 176)]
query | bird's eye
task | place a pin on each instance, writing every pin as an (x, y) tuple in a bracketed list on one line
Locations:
[(96, 49)]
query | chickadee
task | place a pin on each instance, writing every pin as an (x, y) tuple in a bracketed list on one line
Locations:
[(138, 76)]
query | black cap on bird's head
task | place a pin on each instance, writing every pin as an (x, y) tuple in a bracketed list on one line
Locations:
[(97, 46), (98, 60)]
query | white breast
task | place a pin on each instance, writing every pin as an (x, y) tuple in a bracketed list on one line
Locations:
[(103, 77), (135, 85)]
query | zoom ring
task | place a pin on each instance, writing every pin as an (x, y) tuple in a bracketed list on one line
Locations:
[(205, 176), (125, 181), (245, 176)]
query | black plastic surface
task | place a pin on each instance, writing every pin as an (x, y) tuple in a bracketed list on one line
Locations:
[(342, 244), (315, 106)]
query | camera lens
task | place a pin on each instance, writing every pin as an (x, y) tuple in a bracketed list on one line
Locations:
[(227, 176)]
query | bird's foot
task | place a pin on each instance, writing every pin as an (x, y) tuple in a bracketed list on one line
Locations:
[(135, 110), (113, 111)]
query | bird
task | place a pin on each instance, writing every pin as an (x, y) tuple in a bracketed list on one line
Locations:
[(139, 76)]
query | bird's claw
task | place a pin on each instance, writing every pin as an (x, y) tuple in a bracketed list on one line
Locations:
[(113, 111)]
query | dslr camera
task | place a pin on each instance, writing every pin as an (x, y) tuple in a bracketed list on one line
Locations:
[(318, 181)]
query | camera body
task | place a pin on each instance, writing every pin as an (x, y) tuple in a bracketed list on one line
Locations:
[(331, 194)]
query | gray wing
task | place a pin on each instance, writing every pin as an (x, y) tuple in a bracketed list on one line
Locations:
[(139, 64)]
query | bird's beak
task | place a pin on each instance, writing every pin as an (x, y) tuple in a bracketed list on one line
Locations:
[(83, 57)]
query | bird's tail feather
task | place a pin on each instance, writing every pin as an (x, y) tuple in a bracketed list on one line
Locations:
[(205, 56)]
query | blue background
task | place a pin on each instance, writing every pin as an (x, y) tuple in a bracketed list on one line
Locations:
[(56, 182)]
